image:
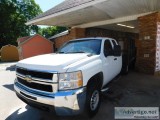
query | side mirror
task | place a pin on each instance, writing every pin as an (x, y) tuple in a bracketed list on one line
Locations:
[(117, 50)]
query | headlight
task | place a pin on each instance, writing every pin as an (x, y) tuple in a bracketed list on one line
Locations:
[(71, 80)]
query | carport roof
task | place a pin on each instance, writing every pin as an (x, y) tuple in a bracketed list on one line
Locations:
[(97, 13)]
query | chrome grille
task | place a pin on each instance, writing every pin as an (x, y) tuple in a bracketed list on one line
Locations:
[(36, 80), (37, 86)]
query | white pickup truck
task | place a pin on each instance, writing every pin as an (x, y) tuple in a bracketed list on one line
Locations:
[(70, 81)]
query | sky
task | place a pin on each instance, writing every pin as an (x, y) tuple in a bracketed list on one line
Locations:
[(47, 4)]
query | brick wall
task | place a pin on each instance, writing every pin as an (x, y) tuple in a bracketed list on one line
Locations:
[(158, 41), (95, 32), (120, 36), (73, 34), (146, 45)]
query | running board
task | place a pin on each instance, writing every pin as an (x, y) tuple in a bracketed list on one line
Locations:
[(105, 89)]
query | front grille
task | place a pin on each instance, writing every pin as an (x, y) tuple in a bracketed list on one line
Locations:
[(37, 86), (36, 74)]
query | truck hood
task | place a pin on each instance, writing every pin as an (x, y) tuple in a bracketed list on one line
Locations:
[(51, 62)]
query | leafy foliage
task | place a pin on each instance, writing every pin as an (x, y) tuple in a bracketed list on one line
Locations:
[(14, 14), (51, 31)]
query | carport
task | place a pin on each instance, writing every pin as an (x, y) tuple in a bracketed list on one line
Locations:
[(134, 23)]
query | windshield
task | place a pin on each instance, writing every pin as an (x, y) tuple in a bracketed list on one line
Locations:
[(92, 46)]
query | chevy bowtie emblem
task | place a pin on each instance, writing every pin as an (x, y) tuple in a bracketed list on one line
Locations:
[(28, 78)]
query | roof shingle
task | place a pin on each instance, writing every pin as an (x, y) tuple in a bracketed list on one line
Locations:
[(67, 4)]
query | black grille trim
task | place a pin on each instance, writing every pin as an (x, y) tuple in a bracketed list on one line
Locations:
[(28, 96), (37, 86), (36, 74)]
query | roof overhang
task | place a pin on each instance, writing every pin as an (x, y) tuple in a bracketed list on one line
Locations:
[(112, 21), (41, 21), (99, 13)]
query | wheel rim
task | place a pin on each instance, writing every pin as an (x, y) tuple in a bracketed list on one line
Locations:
[(94, 100)]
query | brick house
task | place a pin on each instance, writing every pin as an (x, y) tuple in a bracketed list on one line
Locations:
[(33, 45), (131, 22)]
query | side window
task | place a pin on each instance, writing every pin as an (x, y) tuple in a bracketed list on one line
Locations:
[(117, 49), (108, 50), (114, 43)]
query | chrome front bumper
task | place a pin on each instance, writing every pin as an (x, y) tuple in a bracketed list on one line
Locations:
[(71, 102)]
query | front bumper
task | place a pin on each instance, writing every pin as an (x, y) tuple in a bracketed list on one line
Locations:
[(64, 103)]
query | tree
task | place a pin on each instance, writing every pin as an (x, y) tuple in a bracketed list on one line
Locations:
[(14, 14), (51, 31)]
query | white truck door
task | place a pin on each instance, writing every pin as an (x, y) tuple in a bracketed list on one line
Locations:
[(117, 63), (108, 62)]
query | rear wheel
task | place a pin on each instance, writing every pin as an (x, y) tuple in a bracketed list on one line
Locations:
[(93, 99)]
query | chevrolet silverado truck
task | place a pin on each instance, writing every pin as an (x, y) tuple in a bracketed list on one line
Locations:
[(70, 81)]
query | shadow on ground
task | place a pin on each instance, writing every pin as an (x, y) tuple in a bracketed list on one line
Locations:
[(29, 113), (11, 68), (9, 86), (135, 90)]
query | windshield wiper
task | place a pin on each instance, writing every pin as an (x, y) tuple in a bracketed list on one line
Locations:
[(60, 52), (70, 52), (76, 52)]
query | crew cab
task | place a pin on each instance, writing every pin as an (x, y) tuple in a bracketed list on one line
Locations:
[(70, 81)]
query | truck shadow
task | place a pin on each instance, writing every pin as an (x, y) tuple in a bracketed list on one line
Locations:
[(11, 68), (9, 86), (29, 113)]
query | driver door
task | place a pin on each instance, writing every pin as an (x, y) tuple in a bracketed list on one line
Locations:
[(108, 61)]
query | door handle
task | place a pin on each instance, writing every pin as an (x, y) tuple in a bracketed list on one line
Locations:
[(115, 58)]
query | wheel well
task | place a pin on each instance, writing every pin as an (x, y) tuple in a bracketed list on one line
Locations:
[(98, 78)]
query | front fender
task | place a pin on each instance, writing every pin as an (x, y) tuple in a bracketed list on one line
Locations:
[(89, 67)]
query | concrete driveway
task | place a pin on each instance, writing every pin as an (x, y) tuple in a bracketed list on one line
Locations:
[(133, 90)]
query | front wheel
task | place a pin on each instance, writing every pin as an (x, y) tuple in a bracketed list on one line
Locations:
[(93, 100)]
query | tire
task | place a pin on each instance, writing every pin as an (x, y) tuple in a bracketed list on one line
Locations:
[(93, 99)]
